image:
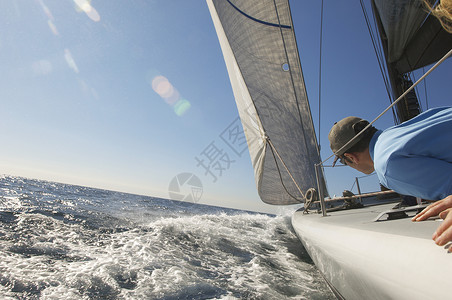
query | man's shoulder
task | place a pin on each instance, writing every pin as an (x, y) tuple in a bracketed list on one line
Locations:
[(389, 144), (433, 121)]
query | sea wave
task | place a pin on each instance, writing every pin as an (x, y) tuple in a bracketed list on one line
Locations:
[(55, 246)]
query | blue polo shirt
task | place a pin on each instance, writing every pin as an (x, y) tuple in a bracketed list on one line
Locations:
[(415, 157)]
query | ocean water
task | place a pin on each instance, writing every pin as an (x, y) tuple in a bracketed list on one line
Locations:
[(60, 241)]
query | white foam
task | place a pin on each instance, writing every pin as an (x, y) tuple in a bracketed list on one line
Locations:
[(226, 255)]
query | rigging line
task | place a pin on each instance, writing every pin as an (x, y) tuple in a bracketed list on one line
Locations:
[(354, 182), (368, 175), (377, 44), (425, 90), (293, 81), (394, 103), (359, 177), (272, 147), (412, 77), (335, 166), (372, 37), (290, 72), (282, 182), (378, 53), (320, 68)]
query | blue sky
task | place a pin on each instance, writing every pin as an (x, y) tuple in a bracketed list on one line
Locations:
[(126, 95)]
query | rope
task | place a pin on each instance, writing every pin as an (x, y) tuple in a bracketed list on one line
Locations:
[(360, 196), (281, 179), (425, 91), (299, 114), (287, 169), (390, 106), (311, 196)]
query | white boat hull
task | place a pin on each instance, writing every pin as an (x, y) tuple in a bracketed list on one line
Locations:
[(364, 259)]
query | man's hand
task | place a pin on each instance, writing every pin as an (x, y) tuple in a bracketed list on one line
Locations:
[(443, 208), (434, 209), (443, 234)]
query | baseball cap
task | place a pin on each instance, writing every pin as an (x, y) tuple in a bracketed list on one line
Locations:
[(343, 131)]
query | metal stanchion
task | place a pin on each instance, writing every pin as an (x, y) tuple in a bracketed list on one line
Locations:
[(320, 189), (359, 190)]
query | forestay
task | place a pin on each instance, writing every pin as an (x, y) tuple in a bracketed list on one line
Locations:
[(261, 55)]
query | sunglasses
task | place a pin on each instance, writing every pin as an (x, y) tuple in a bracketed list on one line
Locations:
[(343, 160)]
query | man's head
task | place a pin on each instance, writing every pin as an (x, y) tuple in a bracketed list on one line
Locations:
[(355, 154)]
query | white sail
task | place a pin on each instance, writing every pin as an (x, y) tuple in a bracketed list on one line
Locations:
[(261, 55)]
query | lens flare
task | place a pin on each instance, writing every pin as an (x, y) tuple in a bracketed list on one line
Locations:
[(70, 61), (181, 107), (50, 17), (91, 12), (163, 87), (173, 98), (52, 27), (46, 10)]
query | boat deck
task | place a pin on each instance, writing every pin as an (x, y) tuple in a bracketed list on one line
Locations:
[(367, 259), (364, 219)]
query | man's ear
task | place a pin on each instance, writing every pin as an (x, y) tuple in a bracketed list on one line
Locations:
[(351, 157)]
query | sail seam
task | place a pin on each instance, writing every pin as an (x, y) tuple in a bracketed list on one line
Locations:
[(257, 20), (241, 71)]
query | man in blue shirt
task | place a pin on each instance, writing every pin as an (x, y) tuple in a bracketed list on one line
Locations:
[(413, 158)]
